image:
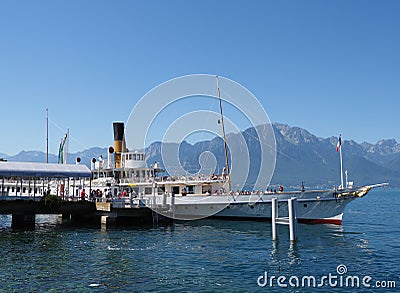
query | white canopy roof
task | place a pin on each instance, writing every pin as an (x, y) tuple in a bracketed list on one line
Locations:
[(42, 170)]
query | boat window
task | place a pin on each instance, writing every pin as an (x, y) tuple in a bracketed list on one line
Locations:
[(148, 190), (190, 189), (175, 190), (206, 188)]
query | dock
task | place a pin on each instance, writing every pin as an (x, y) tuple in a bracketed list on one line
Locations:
[(24, 209)]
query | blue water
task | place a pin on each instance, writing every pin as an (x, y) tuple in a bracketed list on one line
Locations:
[(206, 255)]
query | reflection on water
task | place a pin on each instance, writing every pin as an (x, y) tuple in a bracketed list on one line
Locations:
[(208, 255)]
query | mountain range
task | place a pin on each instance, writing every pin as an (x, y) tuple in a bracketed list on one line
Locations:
[(301, 157)]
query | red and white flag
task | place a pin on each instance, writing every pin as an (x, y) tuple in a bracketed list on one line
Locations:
[(339, 143)]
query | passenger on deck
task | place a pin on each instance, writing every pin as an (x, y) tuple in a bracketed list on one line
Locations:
[(183, 192), (108, 196), (224, 173), (83, 194), (280, 188)]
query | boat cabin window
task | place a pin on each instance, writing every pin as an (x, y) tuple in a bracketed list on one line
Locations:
[(190, 189), (175, 190), (134, 157), (206, 188), (148, 190)]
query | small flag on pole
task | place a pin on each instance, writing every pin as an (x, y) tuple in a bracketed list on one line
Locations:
[(61, 150), (339, 143)]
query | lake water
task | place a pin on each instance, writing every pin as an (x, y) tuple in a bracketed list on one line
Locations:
[(208, 255)]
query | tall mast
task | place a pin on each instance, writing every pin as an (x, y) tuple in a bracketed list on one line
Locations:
[(341, 164), (47, 135), (339, 148), (223, 133)]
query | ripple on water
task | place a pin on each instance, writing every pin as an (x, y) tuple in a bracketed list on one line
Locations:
[(207, 255)]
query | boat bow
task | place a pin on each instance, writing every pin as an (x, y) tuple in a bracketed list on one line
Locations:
[(361, 191)]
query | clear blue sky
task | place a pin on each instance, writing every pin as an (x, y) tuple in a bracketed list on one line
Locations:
[(328, 66)]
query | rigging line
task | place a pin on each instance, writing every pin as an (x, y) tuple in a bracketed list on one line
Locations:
[(223, 132), (56, 125), (63, 131)]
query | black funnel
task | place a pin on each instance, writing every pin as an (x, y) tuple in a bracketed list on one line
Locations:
[(118, 131)]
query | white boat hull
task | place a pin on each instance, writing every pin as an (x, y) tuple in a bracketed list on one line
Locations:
[(312, 206)]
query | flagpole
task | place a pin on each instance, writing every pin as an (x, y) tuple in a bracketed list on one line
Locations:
[(66, 147), (47, 135), (341, 166)]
